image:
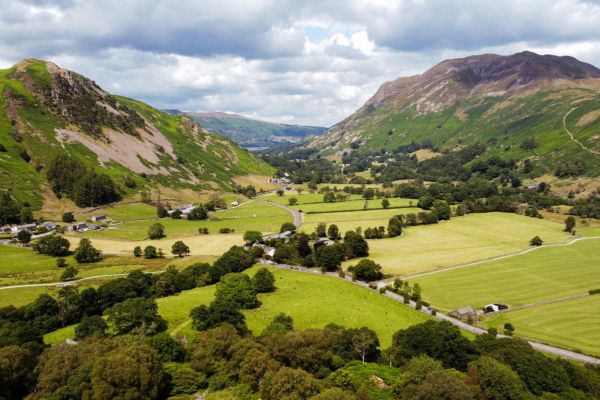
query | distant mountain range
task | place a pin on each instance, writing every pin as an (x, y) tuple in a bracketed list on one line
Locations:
[(46, 111), (500, 101), (251, 133)]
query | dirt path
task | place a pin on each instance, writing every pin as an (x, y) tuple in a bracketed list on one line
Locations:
[(595, 152)]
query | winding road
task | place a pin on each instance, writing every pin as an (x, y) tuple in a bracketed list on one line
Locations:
[(296, 214)]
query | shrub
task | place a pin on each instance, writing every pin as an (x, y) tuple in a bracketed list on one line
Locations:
[(68, 217), (367, 270), (203, 231), (90, 325), (137, 251), (69, 274), (226, 230), (61, 262), (264, 281), (287, 226), (150, 252), (536, 241), (183, 379), (24, 236)]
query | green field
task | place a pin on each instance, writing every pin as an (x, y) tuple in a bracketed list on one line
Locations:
[(255, 215), (347, 221), (572, 324), (543, 274), (353, 205), (20, 297), (303, 198), (460, 240), (312, 300)]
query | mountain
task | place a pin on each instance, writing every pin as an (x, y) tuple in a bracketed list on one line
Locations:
[(46, 111), (500, 101), (251, 132)]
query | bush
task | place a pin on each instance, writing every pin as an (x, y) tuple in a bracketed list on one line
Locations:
[(69, 274), (226, 230), (61, 262), (137, 251), (91, 325), (161, 212), (183, 379), (203, 231), (169, 349), (287, 226), (536, 241), (24, 236), (68, 217)]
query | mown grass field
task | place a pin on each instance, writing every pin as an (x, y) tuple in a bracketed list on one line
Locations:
[(351, 220), (20, 297), (543, 274), (460, 240), (354, 205), (572, 324), (254, 215), (312, 300), (303, 198)]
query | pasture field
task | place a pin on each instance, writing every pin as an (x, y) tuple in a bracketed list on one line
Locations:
[(460, 240), (570, 324), (20, 297), (126, 212), (303, 198), (312, 300), (347, 221), (354, 205), (542, 274), (200, 245), (254, 215)]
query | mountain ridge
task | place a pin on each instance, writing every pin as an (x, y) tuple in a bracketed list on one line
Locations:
[(481, 98), (46, 110)]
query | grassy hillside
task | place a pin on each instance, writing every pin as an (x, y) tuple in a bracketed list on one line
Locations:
[(45, 111)]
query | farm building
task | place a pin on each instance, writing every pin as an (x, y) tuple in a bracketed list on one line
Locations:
[(98, 218), (464, 313), (26, 227)]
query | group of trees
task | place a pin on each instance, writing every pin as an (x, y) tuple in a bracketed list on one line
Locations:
[(83, 185)]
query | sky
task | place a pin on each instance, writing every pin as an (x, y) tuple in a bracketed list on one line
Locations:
[(292, 61)]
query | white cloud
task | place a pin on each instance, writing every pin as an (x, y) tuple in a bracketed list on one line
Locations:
[(310, 62)]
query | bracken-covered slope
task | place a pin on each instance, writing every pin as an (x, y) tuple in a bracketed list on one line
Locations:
[(250, 132), (46, 110), (491, 99)]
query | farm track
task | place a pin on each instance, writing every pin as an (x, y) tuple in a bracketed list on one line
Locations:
[(296, 214), (595, 152)]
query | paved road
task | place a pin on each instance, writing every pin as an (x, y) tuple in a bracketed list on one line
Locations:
[(296, 214), (470, 328)]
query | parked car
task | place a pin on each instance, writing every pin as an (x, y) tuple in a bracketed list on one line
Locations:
[(494, 307)]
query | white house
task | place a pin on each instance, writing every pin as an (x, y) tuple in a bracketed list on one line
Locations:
[(18, 228), (98, 218)]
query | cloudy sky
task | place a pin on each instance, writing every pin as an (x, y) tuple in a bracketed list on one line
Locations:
[(306, 62)]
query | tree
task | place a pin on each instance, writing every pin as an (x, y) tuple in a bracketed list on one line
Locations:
[(441, 384), (86, 253), (16, 372), (365, 342), (24, 236), (137, 251), (333, 232), (329, 258), (68, 217), (180, 249), (90, 325), (288, 383), (176, 214), (198, 213), (251, 237), (69, 274), (356, 245), (236, 259), (321, 230), (569, 224), (440, 340), (536, 241), (53, 245), (385, 203), (150, 252), (442, 209), (509, 329), (264, 281), (368, 194), (394, 227), (367, 270), (280, 192), (218, 314), (183, 379), (169, 349), (281, 323), (425, 202), (497, 380), (9, 211), (137, 315), (26, 216), (255, 365), (161, 212), (292, 201), (329, 197), (237, 289), (303, 246), (156, 231), (287, 227)]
